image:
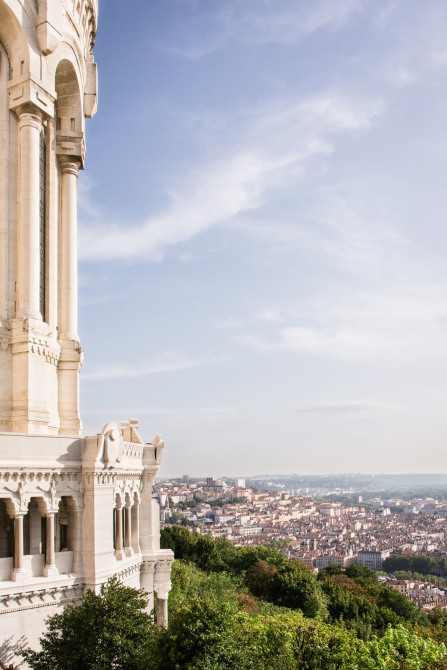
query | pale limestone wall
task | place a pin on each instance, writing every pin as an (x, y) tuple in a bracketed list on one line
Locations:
[(7, 194), (73, 511), (4, 182), (64, 496), (47, 88), (18, 631)]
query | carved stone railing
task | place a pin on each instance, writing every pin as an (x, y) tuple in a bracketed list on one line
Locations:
[(132, 451)]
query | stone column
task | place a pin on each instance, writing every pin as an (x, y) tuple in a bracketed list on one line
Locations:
[(147, 582), (136, 528), (162, 610), (128, 531), (52, 207), (162, 586), (28, 269), (119, 532), (69, 269), (50, 559), (71, 354), (149, 524), (76, 517), (18, 571)]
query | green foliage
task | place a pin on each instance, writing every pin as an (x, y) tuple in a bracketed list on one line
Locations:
[(211, 629), (202, 615), (187, 504), (296, 587), (209, 632), (353, 595), (177, 518), (418, 576), (425, 565), (401, 649), (219, 554), (258, 577), (107, 630)]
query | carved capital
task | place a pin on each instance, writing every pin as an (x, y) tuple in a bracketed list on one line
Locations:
[(69, 165), (148, 567), (162, 572), (162, 590), (29, 116)]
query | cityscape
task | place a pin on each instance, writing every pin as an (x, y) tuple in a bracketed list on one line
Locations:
[(313, 529)]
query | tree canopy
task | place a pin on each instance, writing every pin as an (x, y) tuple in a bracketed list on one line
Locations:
[(246, 608)]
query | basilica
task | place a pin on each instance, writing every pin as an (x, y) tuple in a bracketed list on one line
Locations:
[(74, 510)]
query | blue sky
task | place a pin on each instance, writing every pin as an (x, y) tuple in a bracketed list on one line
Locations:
[(262, 233)]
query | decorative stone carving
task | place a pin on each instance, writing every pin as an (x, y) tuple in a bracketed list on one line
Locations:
[(158, 444), (129, 571), (26, 600), (110, 445), (162, 590), (132, 451), (148, 567)]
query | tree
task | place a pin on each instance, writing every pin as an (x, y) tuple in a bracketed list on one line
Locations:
[(400, 649), (258, 576), (296, 587), (107, 630)]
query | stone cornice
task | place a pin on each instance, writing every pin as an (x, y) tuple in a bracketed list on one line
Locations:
[(70, 149), (84, 24), (32, 336), (27, 92), (129, 571), (34, 475), (110, 478), (33, 598), (17, 489)]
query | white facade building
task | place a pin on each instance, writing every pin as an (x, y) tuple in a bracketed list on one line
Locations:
[(372, 559), (321, 562), (73, 510)]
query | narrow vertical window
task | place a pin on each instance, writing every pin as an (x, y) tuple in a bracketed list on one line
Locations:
[(43, 535), (43, 231)]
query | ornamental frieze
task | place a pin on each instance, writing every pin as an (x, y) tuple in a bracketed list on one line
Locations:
[(25, 600)]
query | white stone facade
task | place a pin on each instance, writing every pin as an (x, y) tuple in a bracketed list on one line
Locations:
[(73, 510)]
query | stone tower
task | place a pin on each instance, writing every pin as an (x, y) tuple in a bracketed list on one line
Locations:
[(73, 510), (47, 88)]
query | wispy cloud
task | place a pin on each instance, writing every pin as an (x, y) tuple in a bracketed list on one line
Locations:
[(351, 233), (268, 146), (388, 328), (218, 193), (228, 323), (211, 411), (348, 407), (262, 22), (417, 39), (168, 362)]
